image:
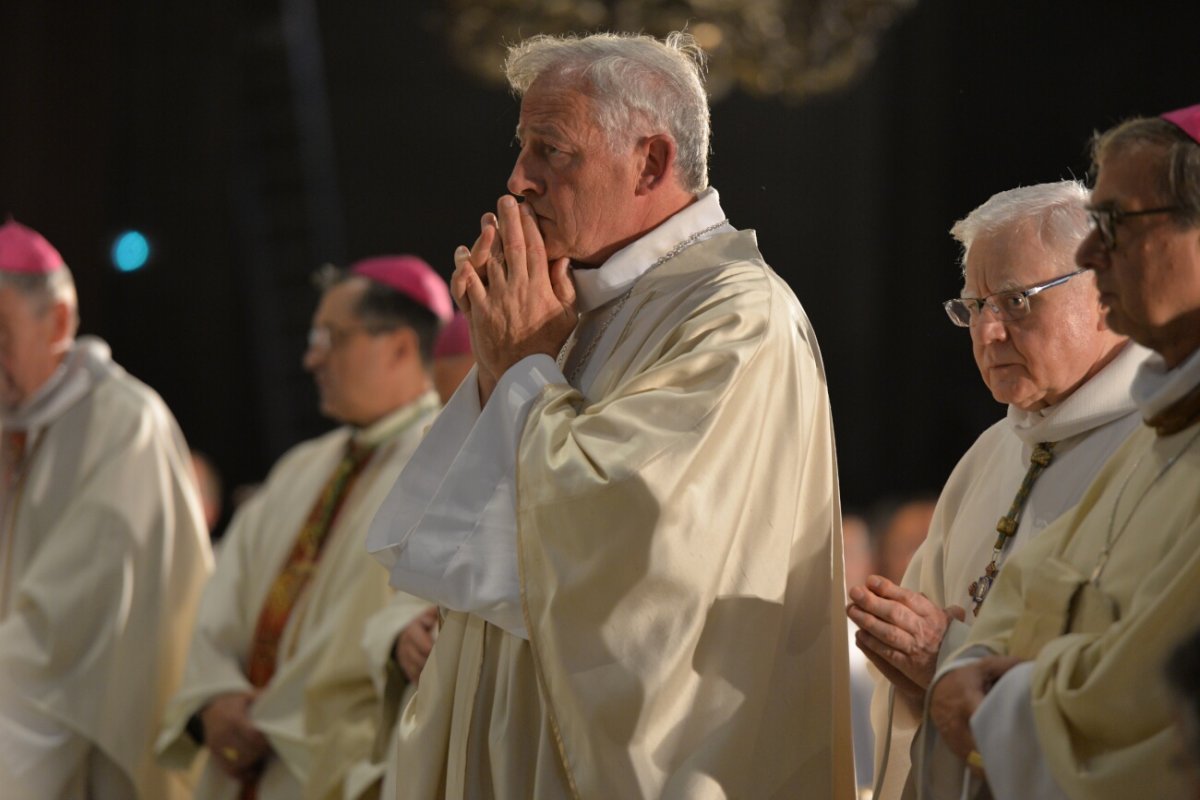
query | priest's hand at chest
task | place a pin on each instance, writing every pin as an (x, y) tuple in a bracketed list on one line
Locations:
[(518, 303)]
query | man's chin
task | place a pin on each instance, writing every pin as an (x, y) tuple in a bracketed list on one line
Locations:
[(328, 409)]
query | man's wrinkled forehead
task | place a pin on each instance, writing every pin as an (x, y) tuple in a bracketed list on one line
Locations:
[(554, 108)]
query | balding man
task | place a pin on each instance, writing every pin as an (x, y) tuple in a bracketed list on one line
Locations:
[(1042, 345)]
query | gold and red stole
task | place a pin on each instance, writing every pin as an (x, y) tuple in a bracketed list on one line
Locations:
[(300, 564), (297, 570)]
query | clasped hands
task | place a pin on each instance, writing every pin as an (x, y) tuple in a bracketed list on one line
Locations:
[(517, 302), (901, 632)]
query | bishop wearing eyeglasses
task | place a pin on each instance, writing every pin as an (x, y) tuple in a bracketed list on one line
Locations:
[(1040, 340)]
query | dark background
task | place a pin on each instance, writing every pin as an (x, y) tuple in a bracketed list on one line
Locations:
[(249, 163)]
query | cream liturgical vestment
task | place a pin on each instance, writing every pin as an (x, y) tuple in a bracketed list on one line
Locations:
[(1094, 605), (320, 709), (103, 555), (1086, 427), (641, 567)]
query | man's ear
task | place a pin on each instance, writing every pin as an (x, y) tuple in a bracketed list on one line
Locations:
[(405, 343), (658, 161), (62, 326)]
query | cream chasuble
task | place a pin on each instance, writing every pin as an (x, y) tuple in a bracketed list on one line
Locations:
[(320, 710), (1097, 641), (679, 627), (103, 554), (1087, 427)]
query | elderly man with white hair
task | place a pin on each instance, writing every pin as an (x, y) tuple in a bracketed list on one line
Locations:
[(1042, 346), (629, 512)]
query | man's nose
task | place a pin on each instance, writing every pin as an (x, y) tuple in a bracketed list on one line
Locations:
[(521, 182), (313, 356), (988, 326)]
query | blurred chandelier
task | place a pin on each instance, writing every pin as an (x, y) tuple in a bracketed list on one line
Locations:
[(785, 48)]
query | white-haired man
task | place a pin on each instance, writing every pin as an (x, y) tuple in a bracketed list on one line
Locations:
[(1042, 346), (1056, 692), (103, 549), (632, 522)]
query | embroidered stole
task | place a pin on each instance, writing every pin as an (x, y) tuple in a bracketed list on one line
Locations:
[(299, 567)]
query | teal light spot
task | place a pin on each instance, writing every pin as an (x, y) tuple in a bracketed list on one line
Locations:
[(130, 251)]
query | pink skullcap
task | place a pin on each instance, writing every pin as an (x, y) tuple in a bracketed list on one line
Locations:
[(1187, 120), (455, 338), (411, 277), (26, 251)]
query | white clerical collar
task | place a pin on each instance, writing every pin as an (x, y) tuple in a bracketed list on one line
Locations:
[(397, 421), (1156, 388), (595, 287), (1105, 397)]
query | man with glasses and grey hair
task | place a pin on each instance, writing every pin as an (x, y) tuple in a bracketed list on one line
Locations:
[(1042, 346), (629, 510)]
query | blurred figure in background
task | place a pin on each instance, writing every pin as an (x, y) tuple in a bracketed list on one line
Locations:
[(452, 360), (900, 529), (103, 551), (208, 481), (278, 690)]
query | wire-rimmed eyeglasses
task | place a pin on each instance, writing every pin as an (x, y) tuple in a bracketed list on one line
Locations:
[(1008, 306), (1106, 219), (332, 337)]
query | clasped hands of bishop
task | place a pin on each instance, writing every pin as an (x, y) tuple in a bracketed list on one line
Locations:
[(901, 632), (517, 302)]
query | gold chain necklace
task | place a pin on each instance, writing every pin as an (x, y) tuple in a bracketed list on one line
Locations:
[(561, 360)]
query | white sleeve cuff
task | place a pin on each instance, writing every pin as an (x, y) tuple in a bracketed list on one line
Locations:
[(1006, 736), (448, 529)]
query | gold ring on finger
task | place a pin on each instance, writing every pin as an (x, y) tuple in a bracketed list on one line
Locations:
[(230, 753)]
